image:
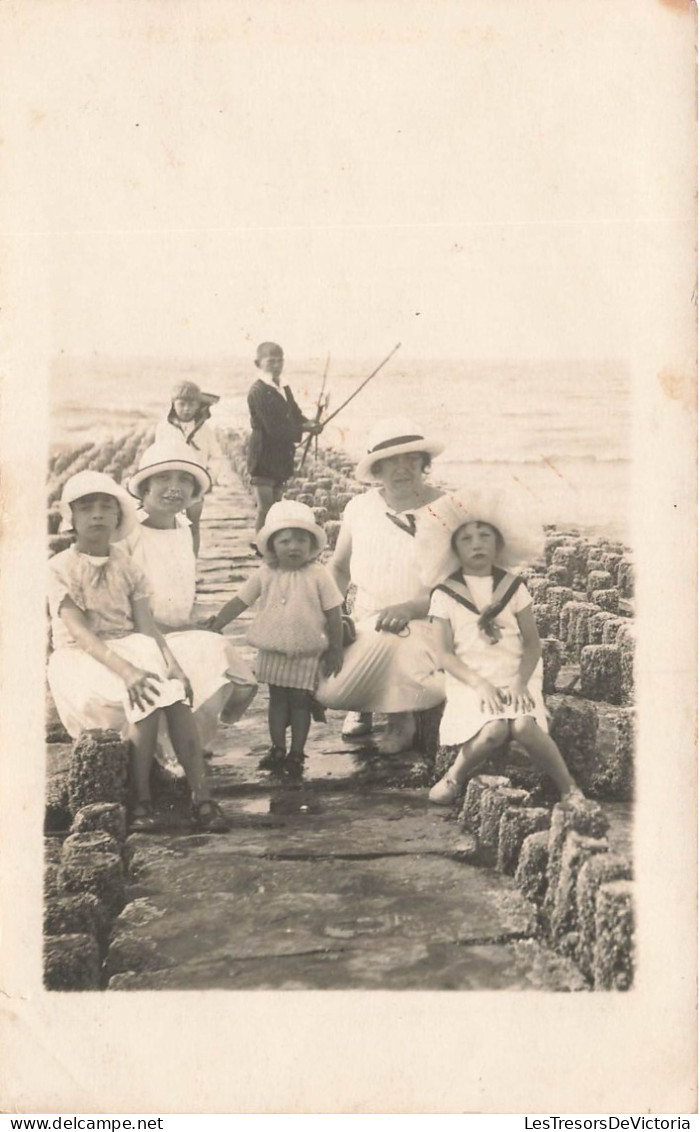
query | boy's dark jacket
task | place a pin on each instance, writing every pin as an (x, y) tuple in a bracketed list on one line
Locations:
[(276, 422)]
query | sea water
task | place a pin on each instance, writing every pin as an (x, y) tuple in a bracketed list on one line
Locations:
[(559, 431)]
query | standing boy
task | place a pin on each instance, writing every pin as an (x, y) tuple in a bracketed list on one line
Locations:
[(277, 424)]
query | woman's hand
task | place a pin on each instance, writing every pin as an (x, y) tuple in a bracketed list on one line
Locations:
[(394, 618), (490, 700), (207, 623), (141, 685), (517, 696), (332, 661)]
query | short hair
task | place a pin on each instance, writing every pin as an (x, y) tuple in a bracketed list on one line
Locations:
[(426, 462), (500, 541)]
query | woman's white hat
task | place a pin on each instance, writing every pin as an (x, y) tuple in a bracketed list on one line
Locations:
[(97, 483), (505, 508), (170, 456), (288, 513), (394, 437)]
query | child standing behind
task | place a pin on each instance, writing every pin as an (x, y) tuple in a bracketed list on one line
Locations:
[(186, 421), (110, 666), (297, 630), (490, 646)]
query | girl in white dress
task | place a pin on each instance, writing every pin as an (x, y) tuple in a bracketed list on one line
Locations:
[(490, 647), (110, 666), (168, 480)]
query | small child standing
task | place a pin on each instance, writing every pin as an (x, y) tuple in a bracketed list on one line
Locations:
[(490, 646), (297, 630), (186, 421), (110, 666)]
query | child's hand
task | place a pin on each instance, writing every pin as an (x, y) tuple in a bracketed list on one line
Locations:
[(490, 700), (517, 696), (142, 686), (332, 661), (207, 623)]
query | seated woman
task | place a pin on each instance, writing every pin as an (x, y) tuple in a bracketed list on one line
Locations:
[(392, 667), (168, 481)]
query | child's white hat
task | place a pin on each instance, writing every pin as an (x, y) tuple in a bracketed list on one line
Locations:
[(97, 483), (394, 437), (170, 456), (504, 508), (288, 513)]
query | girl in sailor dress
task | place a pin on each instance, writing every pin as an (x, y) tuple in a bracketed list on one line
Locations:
[(490, 648)]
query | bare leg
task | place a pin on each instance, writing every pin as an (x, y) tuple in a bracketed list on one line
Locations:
[(474, 752), (278, 716), (300, 718), (142, 740), (264, 498), (188, 748), (543, 752)]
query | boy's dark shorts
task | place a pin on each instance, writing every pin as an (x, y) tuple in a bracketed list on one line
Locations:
[(266, 481)]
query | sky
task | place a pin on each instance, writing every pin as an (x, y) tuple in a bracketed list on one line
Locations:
[(495, 180)]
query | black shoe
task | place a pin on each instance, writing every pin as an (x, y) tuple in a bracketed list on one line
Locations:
[(294, 766), (273, 760)]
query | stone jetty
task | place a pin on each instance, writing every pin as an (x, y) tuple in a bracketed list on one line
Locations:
[(353, 880)]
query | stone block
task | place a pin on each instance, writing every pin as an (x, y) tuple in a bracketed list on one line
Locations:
[(573, 726), (573, 626), (611, 629), (92, 840), (613, 951), (613, 776), (538, 587), (517, 823), (558, 575), (606, 599), (494, 802), (332, 529), (566, 558), (470, 816), (576, 851), (557, 597), (598, 580), (531, 873), (107, 817), (71, 962), (553, 542), (82, 914), (600, 673), (596, 626), (625, 578), (99, 767), (544, 620), (551, 663), (580, 815), (101, 874), (597, 870)]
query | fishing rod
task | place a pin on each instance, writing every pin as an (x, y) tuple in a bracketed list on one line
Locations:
[(321, 404), (361, 386)]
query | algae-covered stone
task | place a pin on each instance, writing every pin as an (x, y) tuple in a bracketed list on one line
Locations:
[(594, 872), (600, 673), (82, 914), (470, 817), (573, 726), (52, 886), (613, 951), (531, 873), (598, 580), (107, 817), (625, 643), (71, 962), (575, 815), (614, 771), (92, 840), (558, 575), (517, 823), (576, 851), (551, 663), (573, 626), (568, 559), (606, 599), (494, 802), (99, 767), (625, 578), (596, 626), (544, 620), (102, 874), (611, 629), (557, 597)]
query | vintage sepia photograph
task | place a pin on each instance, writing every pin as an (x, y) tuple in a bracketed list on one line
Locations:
[(354, 587)]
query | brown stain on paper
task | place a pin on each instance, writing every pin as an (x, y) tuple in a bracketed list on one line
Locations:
[(680, 387), (679, 5)]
